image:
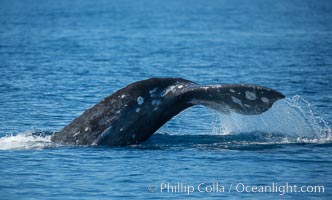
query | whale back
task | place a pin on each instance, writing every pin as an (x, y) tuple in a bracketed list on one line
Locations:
[(132, 114)]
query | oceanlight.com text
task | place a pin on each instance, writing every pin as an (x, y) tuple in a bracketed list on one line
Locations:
[(218, 187)]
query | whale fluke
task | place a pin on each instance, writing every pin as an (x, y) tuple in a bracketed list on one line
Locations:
[(242, 99), (132, 114)]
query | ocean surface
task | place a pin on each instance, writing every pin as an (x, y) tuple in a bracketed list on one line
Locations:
[(59, 58)]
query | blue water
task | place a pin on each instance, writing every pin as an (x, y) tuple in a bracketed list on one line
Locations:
[(58, 58)]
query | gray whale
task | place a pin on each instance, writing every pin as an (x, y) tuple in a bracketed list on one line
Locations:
[(132, 114)]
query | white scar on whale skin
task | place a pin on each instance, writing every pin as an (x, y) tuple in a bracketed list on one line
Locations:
[(153, 91), (156, 102), (76, 134), (246, 105), (237, 101), (104, 133), (140, 100), (169, 89), (251, 96), (265, 100)]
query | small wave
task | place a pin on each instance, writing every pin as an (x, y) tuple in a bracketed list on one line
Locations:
[(27, 140)]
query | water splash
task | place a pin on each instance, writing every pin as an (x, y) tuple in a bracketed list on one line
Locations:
[(293, 118), (27, 140)]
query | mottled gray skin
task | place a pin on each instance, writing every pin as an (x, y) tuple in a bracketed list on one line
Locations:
[(131, 115)]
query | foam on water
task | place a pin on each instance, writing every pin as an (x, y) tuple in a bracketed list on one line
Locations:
[(26, 140)]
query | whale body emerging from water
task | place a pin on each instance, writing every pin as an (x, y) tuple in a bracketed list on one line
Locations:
[(132, 114)]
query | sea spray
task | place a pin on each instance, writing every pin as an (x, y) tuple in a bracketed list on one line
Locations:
[(27, 140), (292, 117)]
